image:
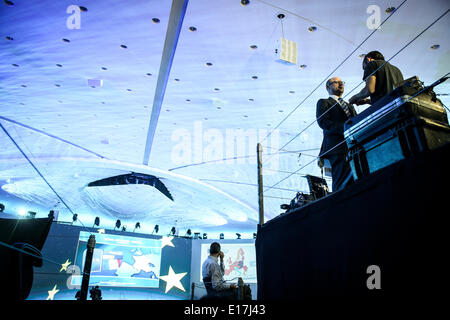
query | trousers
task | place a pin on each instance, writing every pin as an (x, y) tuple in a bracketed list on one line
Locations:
[(341, 173)]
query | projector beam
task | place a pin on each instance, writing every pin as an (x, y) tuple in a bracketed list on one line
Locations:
[(177, 13)]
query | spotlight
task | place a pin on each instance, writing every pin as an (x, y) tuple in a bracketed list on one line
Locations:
[(31, 215), (118, 223), (156, 229), (124, 228), (96, 293), (22, 212), (196, 235), (205, 236), (172, 231), (137, 226), (238, 235), (2, 207), (188, 232), (254, 235), (74, 218), (53, 214), (96, 221), (221, 236)]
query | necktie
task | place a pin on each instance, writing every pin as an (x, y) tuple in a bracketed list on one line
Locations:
[(345, 107)]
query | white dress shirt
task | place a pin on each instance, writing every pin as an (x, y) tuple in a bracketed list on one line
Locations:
[(342, 104), (211, 268)]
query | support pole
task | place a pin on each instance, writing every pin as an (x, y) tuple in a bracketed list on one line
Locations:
[(260, 184), (87, 268), (176, 17), (240, 289)]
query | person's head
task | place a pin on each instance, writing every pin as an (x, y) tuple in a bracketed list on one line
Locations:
[(214, 249), (335, 86), (371, 56)]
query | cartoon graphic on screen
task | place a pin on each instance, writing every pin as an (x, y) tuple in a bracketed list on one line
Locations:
[(237, 265), (120, 261), (239, 261), (124, 263)]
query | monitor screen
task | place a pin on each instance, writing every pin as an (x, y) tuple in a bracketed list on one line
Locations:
[(120, 261), (239, 261)]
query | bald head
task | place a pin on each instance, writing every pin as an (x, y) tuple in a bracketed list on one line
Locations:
[(335, 86)]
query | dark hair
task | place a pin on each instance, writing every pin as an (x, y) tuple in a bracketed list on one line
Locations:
[(376, 55), (214, 248)]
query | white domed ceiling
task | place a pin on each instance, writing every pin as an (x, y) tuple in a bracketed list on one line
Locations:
[(82, 88)]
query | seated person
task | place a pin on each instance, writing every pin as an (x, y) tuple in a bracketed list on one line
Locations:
[(212, 274)]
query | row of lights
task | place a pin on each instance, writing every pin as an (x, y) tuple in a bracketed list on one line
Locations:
[(53, 214), (156, 229)]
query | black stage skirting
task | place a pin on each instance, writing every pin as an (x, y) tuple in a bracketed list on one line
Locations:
[(394, 219)]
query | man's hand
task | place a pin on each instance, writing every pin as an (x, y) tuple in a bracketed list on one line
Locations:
[(232, 286), (221, 255), (353, 99), (363, 101)]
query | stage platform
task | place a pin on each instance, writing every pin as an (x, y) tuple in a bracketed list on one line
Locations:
[(394, 220)]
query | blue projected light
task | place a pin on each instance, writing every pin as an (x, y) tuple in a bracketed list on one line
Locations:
[(120, 261)]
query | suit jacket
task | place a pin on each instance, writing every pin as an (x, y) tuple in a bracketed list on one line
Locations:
[(332, 124)]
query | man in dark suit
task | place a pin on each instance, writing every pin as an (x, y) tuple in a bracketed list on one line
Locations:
[(331, 115)]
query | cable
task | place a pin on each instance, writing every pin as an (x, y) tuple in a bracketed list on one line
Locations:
[(36, 169), (411, 97), (306, 19), (281, 198), (52, 136), (39, 173), (445, 107), (243, 183), (238, 157), (336, 103), (304, 166), (291, 151), (33, 255), (290, 113)]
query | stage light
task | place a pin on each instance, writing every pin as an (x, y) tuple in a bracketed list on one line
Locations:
[(74, 218), (96, 293), (196, 235), (172, 231), (96, 222), (22, 212), (205, 236), (124, 228), (238, 235), (137, 226), (156, 229), (221, 236), (254, 235), (118, 223), (53, 214), (188, 232), (31, 215), (2, 207)]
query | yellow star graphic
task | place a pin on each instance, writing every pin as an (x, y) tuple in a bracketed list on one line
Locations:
[(65, 265), (51, 294), (173, 279), (166, 241)]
